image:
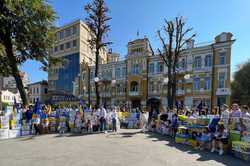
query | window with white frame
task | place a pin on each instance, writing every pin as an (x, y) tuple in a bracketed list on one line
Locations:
[(117, 73), (158, 88), (208, 61), (151, 86), (207, 83), (197, 62), (197, 84), (151, 68), (222, 78), (135, 69), (124, 72), (222, 58), (159, 67)]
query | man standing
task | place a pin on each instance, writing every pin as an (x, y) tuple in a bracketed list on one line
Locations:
[(103, 115), (144, 121), (225, 115), (114, 120)]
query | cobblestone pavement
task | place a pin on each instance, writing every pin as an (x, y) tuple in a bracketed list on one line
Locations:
[(126, 148)]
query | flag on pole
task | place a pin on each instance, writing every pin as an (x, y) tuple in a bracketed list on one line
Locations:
[(18, 113), (37, 108)]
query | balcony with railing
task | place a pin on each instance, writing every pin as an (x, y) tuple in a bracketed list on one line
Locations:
[(223, 91), (134, 93), (180, 92)]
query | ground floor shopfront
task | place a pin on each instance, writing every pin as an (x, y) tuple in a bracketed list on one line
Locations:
[(155, 102)]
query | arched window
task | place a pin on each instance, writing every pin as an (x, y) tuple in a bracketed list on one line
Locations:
[(134, 86)]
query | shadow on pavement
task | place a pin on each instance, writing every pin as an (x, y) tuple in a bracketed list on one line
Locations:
[(203, 155), (123, 134)]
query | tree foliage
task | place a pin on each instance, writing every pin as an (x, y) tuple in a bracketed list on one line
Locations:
[(241, 84), (26, 33), (97, 22), (174, 38)]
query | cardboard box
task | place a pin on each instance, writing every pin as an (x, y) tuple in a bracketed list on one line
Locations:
[(4, 133)]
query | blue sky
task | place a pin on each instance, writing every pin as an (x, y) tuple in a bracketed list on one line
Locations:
[(207, 17)]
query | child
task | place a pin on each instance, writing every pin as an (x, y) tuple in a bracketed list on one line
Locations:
[(153, 125), (174, 125), (204, 139), (220, 137), (62, 125)]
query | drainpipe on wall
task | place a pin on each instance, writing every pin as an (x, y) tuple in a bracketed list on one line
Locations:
[(212, 78)]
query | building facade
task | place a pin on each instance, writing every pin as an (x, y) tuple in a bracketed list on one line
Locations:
[(10, 83), (140, 80), (38, 91), (71, 45), (7, 98)]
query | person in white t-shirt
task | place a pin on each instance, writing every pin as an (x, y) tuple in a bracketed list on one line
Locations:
[(114, 117)]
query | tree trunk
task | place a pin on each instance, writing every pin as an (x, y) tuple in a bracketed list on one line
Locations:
[(96, 75), (169, 92), (15, 71), (173, 89)]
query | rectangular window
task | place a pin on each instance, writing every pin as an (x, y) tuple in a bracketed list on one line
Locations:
[(151, 87), (45, 90), (92, 75), (159, 67), (222, 78), (197, 84), (135, 69), (117, 73), (74, 43), (74, 29), (124, 72), (61, 35), (183, 65), (55, 49), (68, 32), (208, 61), (197, 62), (61, 46), (68, 45), (207, 83), (222, 58), (151, 68)]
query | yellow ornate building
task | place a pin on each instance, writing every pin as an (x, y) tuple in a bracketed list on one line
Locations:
[(140, 80)]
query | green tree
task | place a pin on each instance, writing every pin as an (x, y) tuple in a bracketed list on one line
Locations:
[(175, 37), (26, 33), (97, 22), (241, 84)]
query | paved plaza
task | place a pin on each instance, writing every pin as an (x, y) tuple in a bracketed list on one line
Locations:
[(126, 148)]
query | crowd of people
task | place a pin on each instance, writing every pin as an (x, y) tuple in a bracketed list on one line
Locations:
[(70, 119), (209, 130)]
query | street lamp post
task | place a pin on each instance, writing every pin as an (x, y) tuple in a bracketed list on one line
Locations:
[(113, 82)]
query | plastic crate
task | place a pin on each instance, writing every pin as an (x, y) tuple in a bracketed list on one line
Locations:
[(245, 156), (193, 143), (180, 140), (234, 136)]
